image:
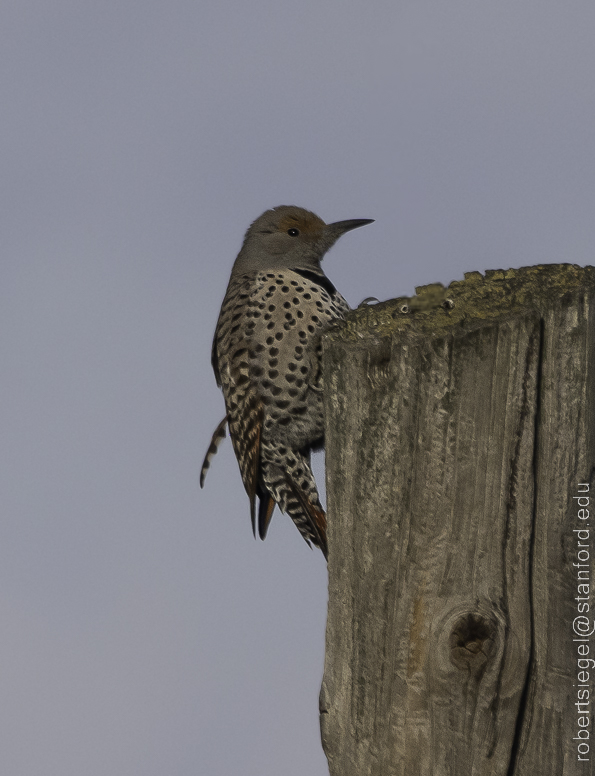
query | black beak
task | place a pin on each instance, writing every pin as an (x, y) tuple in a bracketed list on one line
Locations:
[(340, 227)]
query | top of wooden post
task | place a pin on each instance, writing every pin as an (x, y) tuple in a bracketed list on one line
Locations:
[(438, 310)]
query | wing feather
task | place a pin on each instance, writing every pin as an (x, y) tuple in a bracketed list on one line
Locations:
[(217, 438)]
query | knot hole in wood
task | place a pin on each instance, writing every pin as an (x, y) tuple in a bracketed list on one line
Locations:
[(471, 643)]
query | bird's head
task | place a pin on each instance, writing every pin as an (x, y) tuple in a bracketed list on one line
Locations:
[(289, 237)]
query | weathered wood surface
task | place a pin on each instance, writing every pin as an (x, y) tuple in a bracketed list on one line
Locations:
[(459, 425)]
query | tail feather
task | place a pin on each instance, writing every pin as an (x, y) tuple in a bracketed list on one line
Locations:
[(217, 438), (310, 518), (266, 508)]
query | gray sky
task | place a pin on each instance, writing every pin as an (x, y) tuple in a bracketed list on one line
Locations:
[(144, 630)]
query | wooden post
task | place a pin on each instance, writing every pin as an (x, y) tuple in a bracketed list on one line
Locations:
[(460, 447)]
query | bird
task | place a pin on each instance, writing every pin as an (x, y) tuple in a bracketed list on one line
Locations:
[(266, 356)]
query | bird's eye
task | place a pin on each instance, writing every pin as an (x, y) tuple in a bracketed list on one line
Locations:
[(293, 232)]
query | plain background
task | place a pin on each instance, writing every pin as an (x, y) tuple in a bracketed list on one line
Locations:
[(144, 631)]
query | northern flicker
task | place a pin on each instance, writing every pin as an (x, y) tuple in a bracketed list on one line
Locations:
[(266, 359)]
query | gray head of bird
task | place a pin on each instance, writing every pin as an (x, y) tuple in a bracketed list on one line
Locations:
[(289, 237)]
